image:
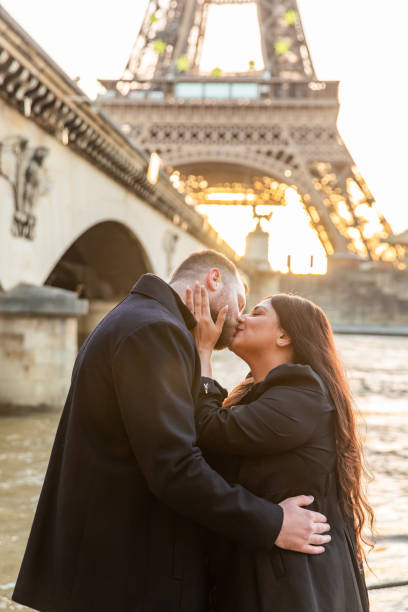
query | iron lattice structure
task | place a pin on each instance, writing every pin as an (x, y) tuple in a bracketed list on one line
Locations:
[(181, 25), (256, 130)]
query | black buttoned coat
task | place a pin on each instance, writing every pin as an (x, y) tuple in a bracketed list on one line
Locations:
[(279, 442), (118, 527)]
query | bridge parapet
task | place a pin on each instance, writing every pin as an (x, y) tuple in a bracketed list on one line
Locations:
[(357, 300)]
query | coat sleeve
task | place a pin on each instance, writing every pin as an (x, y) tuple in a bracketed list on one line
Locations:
[(153, 370), (280, 420)]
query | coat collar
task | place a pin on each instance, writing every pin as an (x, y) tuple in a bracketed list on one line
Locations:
[(286, 374), (154, 287)]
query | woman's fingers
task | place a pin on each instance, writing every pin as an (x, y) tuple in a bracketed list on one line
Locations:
[(205, 302), (197, 300), (189, 299), (222, 315), (199, 303)]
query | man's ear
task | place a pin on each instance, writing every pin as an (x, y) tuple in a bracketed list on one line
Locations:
[(213, 279), (283, 339)]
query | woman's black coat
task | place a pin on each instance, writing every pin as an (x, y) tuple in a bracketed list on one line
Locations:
[(279, 442)]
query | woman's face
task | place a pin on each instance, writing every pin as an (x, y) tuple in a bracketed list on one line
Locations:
[(257, 331)]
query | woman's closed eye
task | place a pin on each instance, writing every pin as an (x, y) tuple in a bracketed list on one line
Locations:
[(256, 312)]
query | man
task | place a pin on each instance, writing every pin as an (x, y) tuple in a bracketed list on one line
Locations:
[(119, 521)]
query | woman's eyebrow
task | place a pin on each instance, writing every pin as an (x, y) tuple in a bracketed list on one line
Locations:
[(258, 308)]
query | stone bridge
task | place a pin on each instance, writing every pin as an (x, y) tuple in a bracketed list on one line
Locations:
[(78, 212)]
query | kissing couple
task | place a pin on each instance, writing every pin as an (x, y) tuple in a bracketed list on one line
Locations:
[(164, 493)]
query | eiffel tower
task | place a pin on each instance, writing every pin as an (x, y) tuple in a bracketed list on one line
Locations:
[(251, 133)]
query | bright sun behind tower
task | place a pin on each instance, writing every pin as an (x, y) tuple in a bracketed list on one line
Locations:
[(289, 229), (231, 50)]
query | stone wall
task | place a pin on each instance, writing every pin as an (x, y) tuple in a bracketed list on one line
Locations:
[(36, 356), (365, 299), (38, 345)]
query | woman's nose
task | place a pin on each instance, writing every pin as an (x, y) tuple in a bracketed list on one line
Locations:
[(241, 318)]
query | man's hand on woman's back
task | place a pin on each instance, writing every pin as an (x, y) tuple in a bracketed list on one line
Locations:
[(302, 530)]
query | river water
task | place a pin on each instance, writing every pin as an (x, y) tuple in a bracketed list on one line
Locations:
[(377, 368)]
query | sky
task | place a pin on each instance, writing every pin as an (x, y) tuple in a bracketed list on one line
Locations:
[(361, 43)]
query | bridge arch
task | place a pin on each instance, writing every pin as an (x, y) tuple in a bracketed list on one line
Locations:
[(102, 263)]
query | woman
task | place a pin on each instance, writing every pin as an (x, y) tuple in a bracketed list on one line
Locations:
[(286, 430)]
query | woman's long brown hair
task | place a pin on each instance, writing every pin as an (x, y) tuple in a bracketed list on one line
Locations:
[(313, 344)]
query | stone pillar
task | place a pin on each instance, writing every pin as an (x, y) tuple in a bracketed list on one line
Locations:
[(262, 284), (263, 280), (256, 251), (38, 345), (97, 310)]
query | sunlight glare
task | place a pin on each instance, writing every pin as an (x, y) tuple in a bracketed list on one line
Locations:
[(344, 211), (289, 229), (230, 197), (230, 48), (355, 192), (232, 224), (291, 234)]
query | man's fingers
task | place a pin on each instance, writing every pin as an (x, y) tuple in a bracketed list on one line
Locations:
[(321, 527), (319, 540), (317, 517), (302, 500), (303, 530), (313, 550), (306, 500)]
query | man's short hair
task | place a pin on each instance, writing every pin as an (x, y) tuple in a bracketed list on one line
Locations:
[(200, 262)]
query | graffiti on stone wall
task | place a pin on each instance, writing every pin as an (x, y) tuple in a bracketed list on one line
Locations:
[(23, 168)]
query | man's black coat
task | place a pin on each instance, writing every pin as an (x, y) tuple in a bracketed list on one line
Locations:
[(117, 524)]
